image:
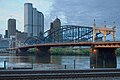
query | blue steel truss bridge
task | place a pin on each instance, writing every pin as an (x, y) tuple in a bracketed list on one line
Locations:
[(68, 33), (73, 33)]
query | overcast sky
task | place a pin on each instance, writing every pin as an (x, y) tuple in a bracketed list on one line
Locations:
[(77, 12)]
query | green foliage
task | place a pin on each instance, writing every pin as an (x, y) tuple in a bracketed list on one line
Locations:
[(69, 51), (74, 51), (118, 52), (32, 50), (85, 51)]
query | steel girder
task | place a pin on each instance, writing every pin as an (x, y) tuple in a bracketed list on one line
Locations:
[(69, 33)]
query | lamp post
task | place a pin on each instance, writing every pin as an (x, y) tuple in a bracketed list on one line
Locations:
[(32, 63)]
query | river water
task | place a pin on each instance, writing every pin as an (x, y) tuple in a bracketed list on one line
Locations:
[(46, 63)]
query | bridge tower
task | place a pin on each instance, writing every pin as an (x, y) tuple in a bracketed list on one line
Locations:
[(104, 30), (94, 32), (114, 36)]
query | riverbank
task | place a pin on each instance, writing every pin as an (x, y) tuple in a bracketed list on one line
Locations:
[(69, 51), (74, 51)]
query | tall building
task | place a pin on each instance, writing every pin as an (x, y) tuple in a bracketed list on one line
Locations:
[(28, 18), (35, 24), (33, 21), (55, 31), (11, 27), (40, 21), (6, 34)]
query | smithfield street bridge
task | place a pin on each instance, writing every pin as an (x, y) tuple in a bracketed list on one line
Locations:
[(102, 51)]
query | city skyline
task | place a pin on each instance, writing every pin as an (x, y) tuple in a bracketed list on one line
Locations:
[(16, 11), (74, 12), (33, 21)]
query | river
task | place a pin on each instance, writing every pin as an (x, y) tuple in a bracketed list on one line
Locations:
[(45, 63)]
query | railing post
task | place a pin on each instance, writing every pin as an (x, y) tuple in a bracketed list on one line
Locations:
[(5, 66), (65, 66), (74, 63)]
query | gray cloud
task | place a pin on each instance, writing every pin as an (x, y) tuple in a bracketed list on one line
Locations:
[(83, 12)]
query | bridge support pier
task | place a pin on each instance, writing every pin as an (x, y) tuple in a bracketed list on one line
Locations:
[(43, 51), (22, 51), (103, 58)]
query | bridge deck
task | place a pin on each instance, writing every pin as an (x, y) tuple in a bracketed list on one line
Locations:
[(95, 44)]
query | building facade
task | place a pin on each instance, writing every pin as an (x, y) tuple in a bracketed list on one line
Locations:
[(6, 34), (4, 44), (20, 38), (28, 19), (33, 21), (40, 21), (55, 27), (11, 27)]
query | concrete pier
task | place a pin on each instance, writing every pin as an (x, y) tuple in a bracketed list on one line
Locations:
[(43, 51), (22, 51), (103, 58)]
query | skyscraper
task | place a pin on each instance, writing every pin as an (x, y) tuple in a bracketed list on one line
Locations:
[(40, 21), (6, 34), (28, 18), (11, 27), (35, 24), (33, 21), (54, 30)]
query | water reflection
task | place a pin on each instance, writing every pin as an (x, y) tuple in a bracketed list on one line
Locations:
[(29, 58), (49, 62), (79, 62)]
